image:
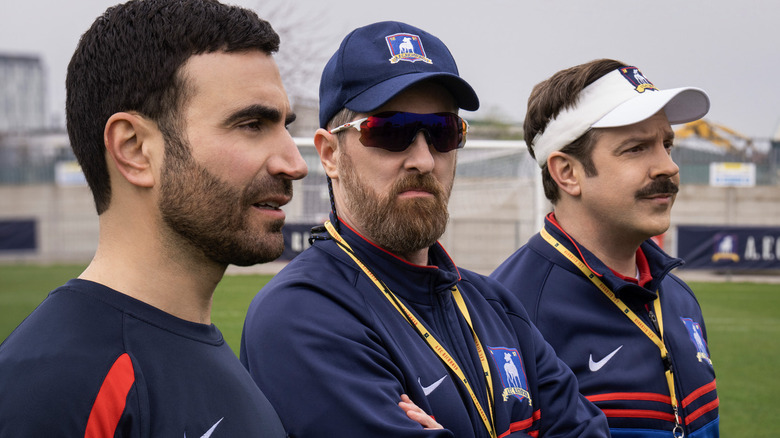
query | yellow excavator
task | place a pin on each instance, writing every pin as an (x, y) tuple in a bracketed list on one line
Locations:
[(719, 135)]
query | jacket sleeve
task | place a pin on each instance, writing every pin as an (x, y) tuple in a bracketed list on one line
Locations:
[(322, 367)]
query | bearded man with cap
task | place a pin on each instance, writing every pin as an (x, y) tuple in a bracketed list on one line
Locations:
[(593, 281), (375, 310)]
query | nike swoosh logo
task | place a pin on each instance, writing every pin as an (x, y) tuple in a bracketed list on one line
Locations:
[(595, 366), (210, 431), (427, 390)]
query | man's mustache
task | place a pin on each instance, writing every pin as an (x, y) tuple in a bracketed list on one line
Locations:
[(425, 183), (658, 187)]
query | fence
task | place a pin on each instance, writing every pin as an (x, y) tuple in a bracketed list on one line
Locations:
[(496, 203)]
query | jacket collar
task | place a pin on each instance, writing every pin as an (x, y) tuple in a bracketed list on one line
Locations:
[(659, 263), (412, 282)]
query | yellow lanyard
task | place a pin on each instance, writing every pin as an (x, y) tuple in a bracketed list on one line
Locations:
[(658, 341), (437, 348)]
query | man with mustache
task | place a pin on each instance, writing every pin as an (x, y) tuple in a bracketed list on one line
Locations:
[(375, 312), (177, 114), (594, 282)]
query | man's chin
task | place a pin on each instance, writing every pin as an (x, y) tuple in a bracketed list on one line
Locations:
[(257, 250), (259, 258)]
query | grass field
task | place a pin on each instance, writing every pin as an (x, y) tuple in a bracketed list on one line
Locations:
[(743, 324)]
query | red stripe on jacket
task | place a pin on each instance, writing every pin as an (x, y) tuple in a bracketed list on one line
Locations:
[(524, 424), (638, 413), (634, 413), (704, 409), (111, 399), (698, 393), (646, 396)]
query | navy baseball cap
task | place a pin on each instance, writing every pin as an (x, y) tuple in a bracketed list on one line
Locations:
[(375, 63)]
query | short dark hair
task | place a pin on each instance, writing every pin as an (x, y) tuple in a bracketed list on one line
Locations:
[(555, 94), (130, 59)]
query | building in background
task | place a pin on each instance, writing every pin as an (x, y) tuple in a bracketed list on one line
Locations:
[(22, 93)]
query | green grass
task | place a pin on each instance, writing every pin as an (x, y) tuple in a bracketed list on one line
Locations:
[(231, 301), (23, 287), (743, 325)]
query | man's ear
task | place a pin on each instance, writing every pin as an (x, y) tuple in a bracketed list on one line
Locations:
[(327, 146), (127, 137), (566, 172)]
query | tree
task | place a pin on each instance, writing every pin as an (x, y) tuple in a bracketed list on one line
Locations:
[(303, 50)]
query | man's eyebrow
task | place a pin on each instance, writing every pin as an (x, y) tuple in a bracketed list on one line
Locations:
[(643, 137), (260, 112)]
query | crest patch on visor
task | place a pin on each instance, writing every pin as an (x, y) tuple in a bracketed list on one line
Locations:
[(406, 47), (637, 79)]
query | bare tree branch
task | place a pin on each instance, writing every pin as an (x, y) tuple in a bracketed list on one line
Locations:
[(304, 50)]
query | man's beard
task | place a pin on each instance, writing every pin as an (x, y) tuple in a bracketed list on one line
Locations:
[(401, 226), (212, 216)]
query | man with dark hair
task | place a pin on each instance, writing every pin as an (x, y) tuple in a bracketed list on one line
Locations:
[(177, 115), (594, 282), (376, 310)]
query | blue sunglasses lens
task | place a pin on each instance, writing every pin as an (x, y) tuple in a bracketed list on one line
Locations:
[(395, 130)]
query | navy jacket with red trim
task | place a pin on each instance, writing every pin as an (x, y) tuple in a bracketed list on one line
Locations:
[(93, 362), (334, 356), (618, 367)]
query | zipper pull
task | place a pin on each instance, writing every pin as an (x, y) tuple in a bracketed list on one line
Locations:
[(677, 431), (654, 320)]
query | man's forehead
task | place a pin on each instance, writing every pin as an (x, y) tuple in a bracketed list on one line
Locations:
[(649, 130), (234, 80)]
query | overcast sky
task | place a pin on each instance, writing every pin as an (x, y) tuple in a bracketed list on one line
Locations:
[(503, 47)]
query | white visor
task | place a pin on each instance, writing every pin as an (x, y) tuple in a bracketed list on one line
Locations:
[(622, 97)]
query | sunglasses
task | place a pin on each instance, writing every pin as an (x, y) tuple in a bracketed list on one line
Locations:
[(395, 130)]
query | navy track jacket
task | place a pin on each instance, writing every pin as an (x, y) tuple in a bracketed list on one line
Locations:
[(618, 367), (334, 356), (92, 362)]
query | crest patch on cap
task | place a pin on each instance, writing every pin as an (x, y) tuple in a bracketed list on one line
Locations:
[(637, 79), (406, 47)]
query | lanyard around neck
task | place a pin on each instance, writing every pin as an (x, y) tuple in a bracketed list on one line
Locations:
[(435, 345), (656, 339)]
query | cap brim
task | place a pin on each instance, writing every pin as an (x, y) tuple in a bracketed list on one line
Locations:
[(681, 105), (381, 93)]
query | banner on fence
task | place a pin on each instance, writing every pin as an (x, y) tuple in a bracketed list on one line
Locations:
[(733, 174), (17, 235), (296, 239), (729, 247)]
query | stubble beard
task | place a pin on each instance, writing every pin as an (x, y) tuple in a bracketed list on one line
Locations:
[(210, 216), (401, 226)]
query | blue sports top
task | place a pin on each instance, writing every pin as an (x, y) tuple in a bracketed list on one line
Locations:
[(93, 362), (334, 355), (619, 368)]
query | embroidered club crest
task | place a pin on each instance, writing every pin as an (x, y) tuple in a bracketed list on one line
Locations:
[(697, 337), (637, 79), (510, 368), (406, 47)]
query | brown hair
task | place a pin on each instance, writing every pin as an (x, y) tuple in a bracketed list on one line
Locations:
[(555, 94)]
